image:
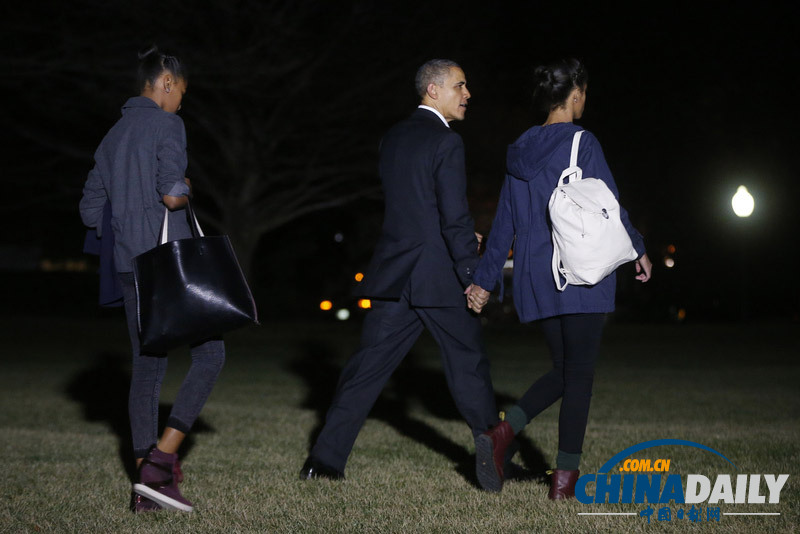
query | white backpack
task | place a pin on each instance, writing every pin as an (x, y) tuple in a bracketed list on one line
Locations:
[(589, 240)]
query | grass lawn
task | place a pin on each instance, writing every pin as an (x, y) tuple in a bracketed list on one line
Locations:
[(66, 463)]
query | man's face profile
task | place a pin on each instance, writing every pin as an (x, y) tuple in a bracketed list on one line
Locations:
[(453, 95)]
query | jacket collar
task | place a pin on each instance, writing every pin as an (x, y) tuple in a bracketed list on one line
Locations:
[(430, 114), (139, 102)]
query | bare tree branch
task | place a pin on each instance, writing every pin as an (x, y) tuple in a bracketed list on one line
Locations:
[(278, 122)]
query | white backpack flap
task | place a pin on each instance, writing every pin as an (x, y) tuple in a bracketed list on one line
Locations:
[(589, 240)]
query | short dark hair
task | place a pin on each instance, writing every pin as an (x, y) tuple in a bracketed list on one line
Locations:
[(152, 63), (555, 81), (433, 71)]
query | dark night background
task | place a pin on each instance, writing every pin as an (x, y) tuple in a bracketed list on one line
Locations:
[(287, 102)]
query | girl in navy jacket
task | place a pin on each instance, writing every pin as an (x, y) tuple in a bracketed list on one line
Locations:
[(572, 320)]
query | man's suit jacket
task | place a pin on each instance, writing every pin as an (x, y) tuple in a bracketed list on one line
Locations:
[(428, 240)]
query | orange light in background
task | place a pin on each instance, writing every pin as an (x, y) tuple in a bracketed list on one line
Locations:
[(671, 249), (364, 304), (325, 305), (359, 277), (681, 314)]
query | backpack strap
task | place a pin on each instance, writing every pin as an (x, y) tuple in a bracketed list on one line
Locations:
[(573, 172), (557, 268), (573, 157)]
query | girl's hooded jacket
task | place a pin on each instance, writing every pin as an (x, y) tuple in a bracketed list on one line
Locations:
[(534, 163)]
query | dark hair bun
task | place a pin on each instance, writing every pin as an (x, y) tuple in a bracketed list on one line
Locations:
[(543, 76), (152, 50), (555, 81), (152, 63)]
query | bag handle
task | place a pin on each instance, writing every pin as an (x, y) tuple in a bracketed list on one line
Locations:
[(196, 230), (193, 224), (573, 172)]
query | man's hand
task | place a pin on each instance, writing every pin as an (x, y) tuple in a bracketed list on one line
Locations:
[(644, 267), (477, 297)]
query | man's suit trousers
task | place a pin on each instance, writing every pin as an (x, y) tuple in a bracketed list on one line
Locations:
[(389, 331)]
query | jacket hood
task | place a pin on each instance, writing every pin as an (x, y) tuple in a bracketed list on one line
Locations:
[(529, 155)]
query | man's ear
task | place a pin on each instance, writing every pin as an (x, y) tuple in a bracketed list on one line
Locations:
[(433, 91)]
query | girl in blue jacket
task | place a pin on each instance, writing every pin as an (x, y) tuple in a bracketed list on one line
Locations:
[(140, 169), (572, 320)]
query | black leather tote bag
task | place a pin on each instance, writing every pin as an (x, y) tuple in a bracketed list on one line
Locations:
[(189, 290)]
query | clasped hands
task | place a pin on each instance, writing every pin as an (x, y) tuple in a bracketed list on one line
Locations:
[(477, 297)]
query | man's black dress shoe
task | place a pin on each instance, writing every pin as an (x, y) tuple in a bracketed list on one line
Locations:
[(316, 469)]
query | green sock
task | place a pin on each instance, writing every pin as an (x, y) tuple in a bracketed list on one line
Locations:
[(568, 461), (516, 418)]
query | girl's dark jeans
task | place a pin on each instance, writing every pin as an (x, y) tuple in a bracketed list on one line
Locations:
[(148, 373), (574, 343)]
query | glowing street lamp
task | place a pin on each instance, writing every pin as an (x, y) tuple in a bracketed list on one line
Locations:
[(743, 202), (743, 205)]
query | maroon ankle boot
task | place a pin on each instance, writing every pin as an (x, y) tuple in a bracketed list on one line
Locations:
[(562, 484), (490, 455)]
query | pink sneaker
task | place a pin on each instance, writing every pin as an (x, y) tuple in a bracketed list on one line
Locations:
[(158, 481), (141, 504), (177, 474)]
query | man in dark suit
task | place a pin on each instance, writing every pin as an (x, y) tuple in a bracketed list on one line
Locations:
[(419, 271)]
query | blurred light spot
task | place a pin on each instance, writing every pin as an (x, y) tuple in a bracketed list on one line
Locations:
[(359, 277), (681, 314), (325, 305), (669, 262), (743, 202), (364, 304), (343, 314), (671, 249), (338, 237), (68, 265)]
